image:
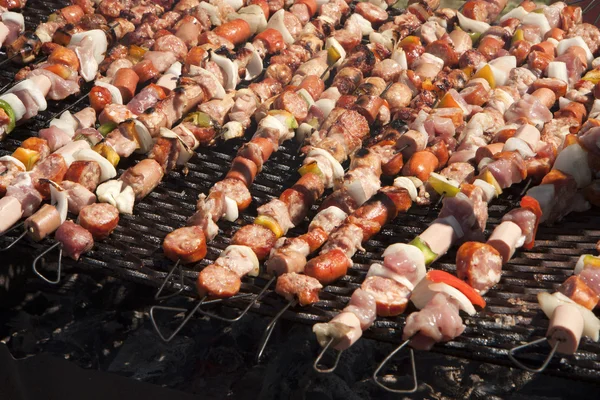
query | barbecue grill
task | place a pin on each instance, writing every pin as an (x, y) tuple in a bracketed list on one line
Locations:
[(133, 252)]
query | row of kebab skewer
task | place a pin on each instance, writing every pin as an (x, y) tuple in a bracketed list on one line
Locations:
[(456, 109)]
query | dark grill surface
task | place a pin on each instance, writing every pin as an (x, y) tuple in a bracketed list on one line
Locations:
[(134, 253)]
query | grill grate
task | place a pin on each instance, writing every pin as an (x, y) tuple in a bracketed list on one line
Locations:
[(133, 251)]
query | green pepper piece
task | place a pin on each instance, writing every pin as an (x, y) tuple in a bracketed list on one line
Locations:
[(419, 243), (11, 115), (107, 128), (200, 119)]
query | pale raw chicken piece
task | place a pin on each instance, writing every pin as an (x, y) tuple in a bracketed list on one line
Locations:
[(86, 118), (459, 171), (470, 212), (328, 219), (591, 277), (508, 171), (23, 190), (347, 238), (161, 60), (237, 261), (60, 88), (303, 287), (437, 322), (245, 104), (277, 210), (528, 108), (363, 305), (78, 196), (521, 78), (525, 219), (288, 255), (218, 109)]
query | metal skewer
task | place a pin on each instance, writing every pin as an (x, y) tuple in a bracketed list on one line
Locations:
[(511, 355), (384, 363), (58, 269), (15, 241), (322, 354), (167, 279), (244, 311), (269, 330), (203, 301)]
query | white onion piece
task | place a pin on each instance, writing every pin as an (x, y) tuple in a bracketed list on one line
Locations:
[(505, 63), (107, 170), (185, 153), (255, 17), (15, 103), (538, 19), (13, 160), (338, 170), (191, 135), (60, 200), (231, 209), (277, 22), (233, 129), (325, 105), (558, 70), (108, 191), (409, 185), (43, 35), (518, 13), (303, 132), (212, 11), (306, 97), (255, 65), (384, 38), (65, 127), (425, 290), (549, 302), (471, 25), (564, 44), (488, 189), (413, 253), (563, 102), (573, 160), (380, 270), (99, 39), (229, 68), (167, 81), (195, 71), (595, 111), (519, 145), (271, 122), (235, 4), (144, 139), (379, 3), (174, 69), (247, 253), (357, 192), (17, 18), (500, 75), (125, 201), (33, 90), (544, 194), (399, 55), (365, 26), (68, 150), (115, 93), (332, 42)]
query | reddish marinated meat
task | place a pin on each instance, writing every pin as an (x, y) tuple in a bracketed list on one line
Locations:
[(51, 168), (74, 239), (260, 239), (479, 264), (577, 290), (187, 244), (390, 296), (86, 173), (304, 288), (328, 267), (217, 281), (100, 219)]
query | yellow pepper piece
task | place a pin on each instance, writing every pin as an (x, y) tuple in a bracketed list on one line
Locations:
[(409, 40), (570, 139), (592, 76), (590, 261), (27, 156), (518, 35), (107, 152), (488, 177), (137, 52), (468, 71), (448, 101), (428, 85), (443, 185), (269, 223), (332, 56), (311, 168), (486, 73)]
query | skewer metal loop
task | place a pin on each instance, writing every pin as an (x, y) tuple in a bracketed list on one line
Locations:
[(167, 279), (511, 355), (415, 386), (58, 268), (322, 354), (13, 242), (245, 310), (269, 330), (187, 318)]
